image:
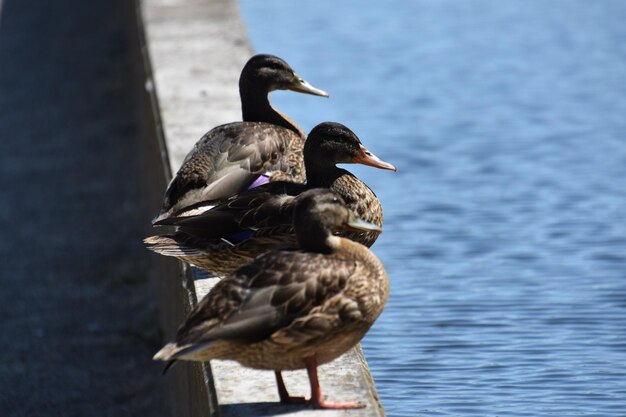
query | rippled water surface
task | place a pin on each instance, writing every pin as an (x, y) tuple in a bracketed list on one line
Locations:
[(505, 225)]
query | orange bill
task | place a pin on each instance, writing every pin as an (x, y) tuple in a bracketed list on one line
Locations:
[(365, 157)]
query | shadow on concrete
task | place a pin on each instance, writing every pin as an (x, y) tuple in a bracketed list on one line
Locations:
[(260, 409), (77, 322)]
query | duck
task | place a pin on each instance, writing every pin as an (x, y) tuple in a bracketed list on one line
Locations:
[(246, 225), (292, 309), (265, 146)]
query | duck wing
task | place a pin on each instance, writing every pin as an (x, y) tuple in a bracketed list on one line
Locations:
[(268, 296), (228, 159), (265, 207)]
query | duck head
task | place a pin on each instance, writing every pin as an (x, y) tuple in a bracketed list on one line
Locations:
[(319, 213), (267, 73), (331, 143)]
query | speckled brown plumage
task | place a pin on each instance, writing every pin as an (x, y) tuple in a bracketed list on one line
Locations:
[(268, 209), (216, 255), (230, 157), (288, 306)]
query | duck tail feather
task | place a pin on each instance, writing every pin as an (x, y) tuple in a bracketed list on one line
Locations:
[(169, 246)]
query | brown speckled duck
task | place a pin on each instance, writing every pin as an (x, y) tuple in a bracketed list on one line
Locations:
[(266, 146), (292, 309), (247, 225)]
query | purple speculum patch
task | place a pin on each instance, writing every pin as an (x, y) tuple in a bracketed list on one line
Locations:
[(245, 234), (262, 179)]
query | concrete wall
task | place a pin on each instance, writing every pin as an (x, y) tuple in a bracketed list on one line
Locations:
[(194, 51), (78, 317)]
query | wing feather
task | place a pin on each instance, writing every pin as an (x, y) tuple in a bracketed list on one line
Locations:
[(227, 159), (283, 294)]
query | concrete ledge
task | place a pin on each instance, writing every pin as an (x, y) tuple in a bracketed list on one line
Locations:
[(194, 51)]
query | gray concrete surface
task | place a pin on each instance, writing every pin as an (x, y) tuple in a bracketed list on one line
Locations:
[(78, 322), (197, 49)]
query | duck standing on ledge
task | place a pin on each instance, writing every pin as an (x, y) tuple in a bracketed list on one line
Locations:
[(292, 309), (232, 157), (247, 225)]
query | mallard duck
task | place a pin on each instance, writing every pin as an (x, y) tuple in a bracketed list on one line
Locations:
[(292, 309), (236, 231), (232, 157)]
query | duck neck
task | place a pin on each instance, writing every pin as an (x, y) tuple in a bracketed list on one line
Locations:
[(370, 262), (256, 107), (320, 173), (316, 239)]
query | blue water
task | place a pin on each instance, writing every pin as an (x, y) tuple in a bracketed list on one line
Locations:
[(505, 225)]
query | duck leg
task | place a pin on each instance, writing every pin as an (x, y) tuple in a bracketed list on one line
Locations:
[(316, 392), (285, 398)]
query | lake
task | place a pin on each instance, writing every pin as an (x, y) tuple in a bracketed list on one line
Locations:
[(505, 231)]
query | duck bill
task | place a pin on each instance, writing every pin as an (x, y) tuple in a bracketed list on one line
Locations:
[(301, 86), (357, 225), (365, 157)]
